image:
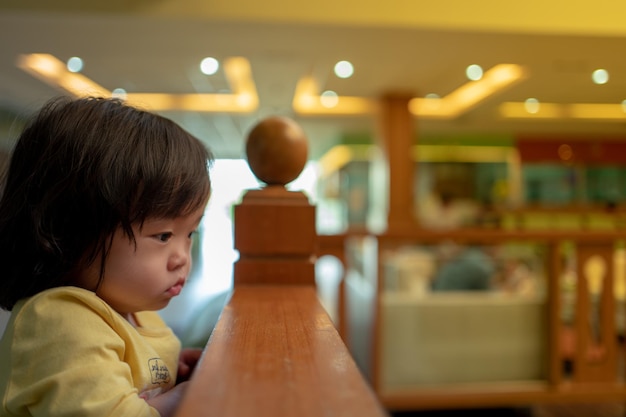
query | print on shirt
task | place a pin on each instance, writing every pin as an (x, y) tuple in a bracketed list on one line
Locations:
[(158, 371)]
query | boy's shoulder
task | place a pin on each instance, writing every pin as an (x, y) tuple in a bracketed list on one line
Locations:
[(62, 297), (63, 321), (76, 307), (71, 305)]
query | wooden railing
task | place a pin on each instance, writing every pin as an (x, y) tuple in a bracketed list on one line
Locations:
[(592, 379), (571, 217), (275, 351), (597, 356)]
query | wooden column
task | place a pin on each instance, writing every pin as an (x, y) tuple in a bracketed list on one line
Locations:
[(396, 140), (275, 228)]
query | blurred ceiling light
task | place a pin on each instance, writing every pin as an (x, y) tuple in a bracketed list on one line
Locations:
[(600, 76), (55, 73), (307, 100), (74, 64), (209, 65), (580, 111), (243, 99), (596, 111), (216, 103), (119, 93), (519, 110), (329, 99), (239, 76), (474, 72), (467, 96), (531, 105), (344, 69)]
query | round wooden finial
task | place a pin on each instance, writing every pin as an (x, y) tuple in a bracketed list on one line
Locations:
[(277, 150)]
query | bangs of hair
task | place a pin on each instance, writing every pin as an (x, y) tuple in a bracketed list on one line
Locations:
[(171, 180)]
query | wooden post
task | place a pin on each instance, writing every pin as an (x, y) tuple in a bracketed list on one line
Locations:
[(397, 133), (275, 228), (396, 141), (554, 304)]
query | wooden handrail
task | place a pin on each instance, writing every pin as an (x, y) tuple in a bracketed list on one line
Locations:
[(275, 351)]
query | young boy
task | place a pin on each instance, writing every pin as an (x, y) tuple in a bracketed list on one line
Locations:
[(96, 218)]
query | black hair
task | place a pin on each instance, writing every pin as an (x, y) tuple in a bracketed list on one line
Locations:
[(81, 169)]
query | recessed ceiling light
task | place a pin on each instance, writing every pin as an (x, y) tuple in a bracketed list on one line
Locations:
[(119, 93), (209, 65), (74, 64), (474, 72), (329, 99), (600, 76), (432, 96), (469, 94), (531, 105), (344, 69)]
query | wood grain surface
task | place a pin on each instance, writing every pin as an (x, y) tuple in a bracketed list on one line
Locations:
[(275, 352)]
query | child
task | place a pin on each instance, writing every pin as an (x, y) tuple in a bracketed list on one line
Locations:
[(96, 221)]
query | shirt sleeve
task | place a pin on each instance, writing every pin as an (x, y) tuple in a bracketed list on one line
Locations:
[(70, 363)]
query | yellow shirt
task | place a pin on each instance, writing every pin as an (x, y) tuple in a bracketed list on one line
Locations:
[(65, 352)]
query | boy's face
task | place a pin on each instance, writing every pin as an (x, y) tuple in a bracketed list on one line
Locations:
[(147, 276)]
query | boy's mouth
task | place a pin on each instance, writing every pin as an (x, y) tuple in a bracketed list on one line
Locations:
[(175, 289)]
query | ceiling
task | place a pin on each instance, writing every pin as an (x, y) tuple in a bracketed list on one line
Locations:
[(409, 47)]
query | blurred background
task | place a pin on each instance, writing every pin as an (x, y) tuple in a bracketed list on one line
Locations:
[(519, 110)]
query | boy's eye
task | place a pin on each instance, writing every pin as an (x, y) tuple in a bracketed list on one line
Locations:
[(190, 235), (164, 237)]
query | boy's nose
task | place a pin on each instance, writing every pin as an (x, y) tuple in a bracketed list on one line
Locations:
[(180, 258)]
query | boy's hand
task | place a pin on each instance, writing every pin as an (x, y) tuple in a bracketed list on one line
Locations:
[(187, 361), (167, 403)]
